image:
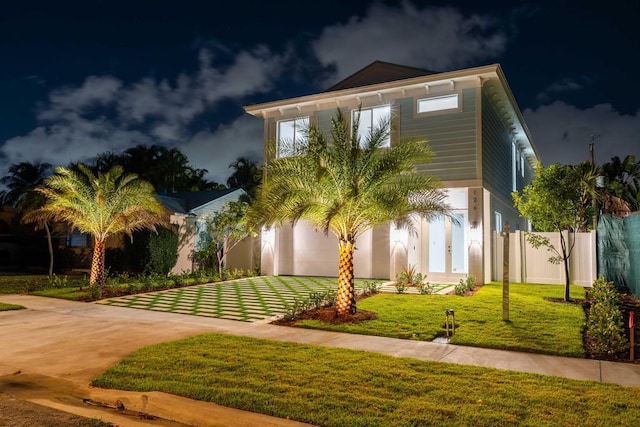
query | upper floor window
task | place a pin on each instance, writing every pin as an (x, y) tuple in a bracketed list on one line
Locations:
[(438, 103), (292, 135), (371, 118)]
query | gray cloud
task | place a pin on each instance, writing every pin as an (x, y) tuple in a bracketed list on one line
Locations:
[(568, 84), (561, 132), (103, 113), (436, 38), (216, 150)]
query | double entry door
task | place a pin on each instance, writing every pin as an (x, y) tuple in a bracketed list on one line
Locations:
[(447, 251)]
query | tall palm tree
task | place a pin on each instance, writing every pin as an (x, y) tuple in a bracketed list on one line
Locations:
[(246, 175), (21, 181), (623, 179), (348, 186), (103, 205)]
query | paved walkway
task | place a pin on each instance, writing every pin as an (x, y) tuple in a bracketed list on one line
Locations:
[(51, 352), (251, 299)]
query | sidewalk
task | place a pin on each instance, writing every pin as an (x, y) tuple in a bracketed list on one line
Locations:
[(52, 351)]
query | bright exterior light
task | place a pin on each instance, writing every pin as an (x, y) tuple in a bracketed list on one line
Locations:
[(475, 233), (268, 236), (399, 236)]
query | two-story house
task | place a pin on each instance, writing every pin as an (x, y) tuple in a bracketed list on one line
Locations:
[(483, 152)]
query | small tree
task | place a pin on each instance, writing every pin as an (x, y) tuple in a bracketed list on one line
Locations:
[(222, 233), (553, 202)]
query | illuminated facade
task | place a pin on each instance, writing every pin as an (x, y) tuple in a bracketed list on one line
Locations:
[(483, 152)]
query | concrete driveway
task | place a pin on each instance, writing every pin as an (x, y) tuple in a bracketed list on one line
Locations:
[(50, 352)]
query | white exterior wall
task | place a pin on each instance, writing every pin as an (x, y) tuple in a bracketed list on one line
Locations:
[(302, 251), (186, 243)]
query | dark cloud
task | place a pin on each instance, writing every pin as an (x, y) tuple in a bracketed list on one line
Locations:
[(563, 132), (436, 38)]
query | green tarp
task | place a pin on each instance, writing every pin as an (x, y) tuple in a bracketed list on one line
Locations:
[(619, 251)]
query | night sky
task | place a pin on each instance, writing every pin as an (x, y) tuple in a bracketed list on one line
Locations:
[(78, 78)]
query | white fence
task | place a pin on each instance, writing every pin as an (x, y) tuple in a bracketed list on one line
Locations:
[(527, 264)]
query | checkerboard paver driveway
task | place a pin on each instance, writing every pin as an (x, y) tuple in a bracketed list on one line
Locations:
[(250, 299)]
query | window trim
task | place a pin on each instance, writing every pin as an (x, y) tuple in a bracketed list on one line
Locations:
[(457, 109), (497, 217), (371, 108), (295, 120)]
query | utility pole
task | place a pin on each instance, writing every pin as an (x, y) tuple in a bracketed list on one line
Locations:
[(594, 202)]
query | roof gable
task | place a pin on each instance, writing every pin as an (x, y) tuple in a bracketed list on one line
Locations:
[(379, 72)]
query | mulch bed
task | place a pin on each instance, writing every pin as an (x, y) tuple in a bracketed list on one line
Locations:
[(628, 303)]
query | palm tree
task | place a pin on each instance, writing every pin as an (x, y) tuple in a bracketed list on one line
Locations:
[(23, 178), (623, 180), (246, 175), (103, 205), (347, 187)]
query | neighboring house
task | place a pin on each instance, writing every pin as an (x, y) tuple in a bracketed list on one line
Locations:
[(190, 211), (483, 152)]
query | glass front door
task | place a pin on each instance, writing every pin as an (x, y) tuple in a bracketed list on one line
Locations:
[(448, 243)]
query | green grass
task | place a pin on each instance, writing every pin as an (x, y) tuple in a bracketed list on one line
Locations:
[(356, 388), (41, 285), (535, 325), (7, 307)]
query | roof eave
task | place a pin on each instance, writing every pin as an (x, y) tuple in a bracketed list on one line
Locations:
[(259, 110)]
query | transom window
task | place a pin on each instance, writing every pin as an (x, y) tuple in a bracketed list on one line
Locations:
[(438, 103), (292, 135), (371, 118)]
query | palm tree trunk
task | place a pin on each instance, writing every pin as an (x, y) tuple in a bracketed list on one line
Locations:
[(346, 298), (97, 263), (50, 245)]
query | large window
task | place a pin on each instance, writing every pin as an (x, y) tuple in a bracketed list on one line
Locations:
[(371, 118), (292, 135), (438, 103)]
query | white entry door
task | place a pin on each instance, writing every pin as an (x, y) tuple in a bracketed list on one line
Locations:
[(448, 248)]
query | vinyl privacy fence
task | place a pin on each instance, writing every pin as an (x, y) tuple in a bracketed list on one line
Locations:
[(531, 265)]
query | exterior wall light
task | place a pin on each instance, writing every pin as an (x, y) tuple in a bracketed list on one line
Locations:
[(399, 236), (475, 233), (268, 236)]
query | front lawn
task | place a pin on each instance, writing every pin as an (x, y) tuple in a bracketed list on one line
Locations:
[(536, 325), (338, 387)]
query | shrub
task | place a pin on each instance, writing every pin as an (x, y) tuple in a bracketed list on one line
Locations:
[(57, 282), (151, 252), (466, 284), (605, 326), (425, 288), (371, 287), (315, 300)]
